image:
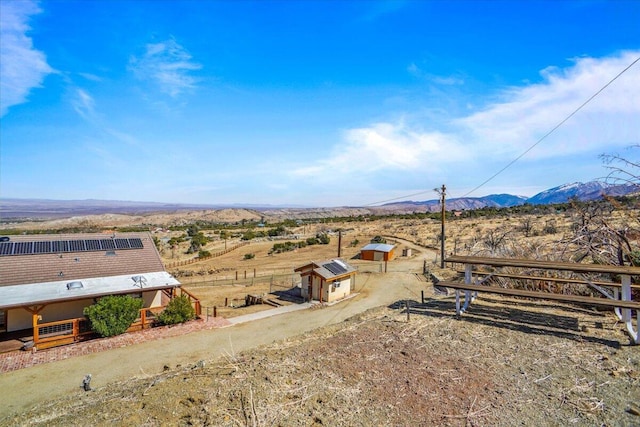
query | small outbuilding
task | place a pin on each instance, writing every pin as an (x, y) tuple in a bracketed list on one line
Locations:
[(326, 281), (377, 252)]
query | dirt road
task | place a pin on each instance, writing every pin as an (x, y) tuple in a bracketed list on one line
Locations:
[(24, 388)]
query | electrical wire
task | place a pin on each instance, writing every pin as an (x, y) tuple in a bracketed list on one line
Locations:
[(528, 149), (552, 130)]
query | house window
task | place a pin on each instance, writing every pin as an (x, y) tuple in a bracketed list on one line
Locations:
[(3, 321)]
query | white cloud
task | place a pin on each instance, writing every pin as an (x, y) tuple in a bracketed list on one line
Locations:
[(528, 113), (385, 147), (168, 65), (419, 73), (83, 104), (21, 66), (465, 146)]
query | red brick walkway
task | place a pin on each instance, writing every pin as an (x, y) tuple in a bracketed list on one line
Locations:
[(14, 360)]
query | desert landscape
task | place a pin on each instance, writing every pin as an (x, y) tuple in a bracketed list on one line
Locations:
[(362, 361)]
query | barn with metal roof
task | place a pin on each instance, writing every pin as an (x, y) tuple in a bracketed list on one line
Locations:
[(377, 252)]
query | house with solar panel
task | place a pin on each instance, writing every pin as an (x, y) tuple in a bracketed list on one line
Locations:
[(46, 281), (326, 281), (377, 252)]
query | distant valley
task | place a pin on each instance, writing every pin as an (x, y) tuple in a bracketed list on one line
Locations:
[(12, 209)]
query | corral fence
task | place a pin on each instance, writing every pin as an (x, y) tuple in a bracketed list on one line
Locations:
[(198, 259), (276, 281)]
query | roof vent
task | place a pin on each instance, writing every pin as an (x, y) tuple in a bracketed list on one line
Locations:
[(74, 285)]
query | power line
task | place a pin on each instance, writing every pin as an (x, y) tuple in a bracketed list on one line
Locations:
[(398, 198), (553, 130), (528, 149)]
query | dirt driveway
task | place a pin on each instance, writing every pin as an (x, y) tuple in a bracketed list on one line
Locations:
[(24, 388)]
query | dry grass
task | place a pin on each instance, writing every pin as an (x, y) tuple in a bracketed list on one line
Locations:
[(534, 365)]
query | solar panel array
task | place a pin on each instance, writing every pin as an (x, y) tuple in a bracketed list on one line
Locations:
[(59, 246), (335, 268)]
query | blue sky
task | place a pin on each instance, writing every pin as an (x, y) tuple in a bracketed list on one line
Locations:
[(316, 103)]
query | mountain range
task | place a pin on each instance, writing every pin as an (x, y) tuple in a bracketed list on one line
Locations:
[(14, 208), (582, 191)]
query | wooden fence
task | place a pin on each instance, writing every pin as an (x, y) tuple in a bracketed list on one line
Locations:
[(198, 259)]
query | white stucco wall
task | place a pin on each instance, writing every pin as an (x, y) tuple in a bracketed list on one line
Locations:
[(337, 292)]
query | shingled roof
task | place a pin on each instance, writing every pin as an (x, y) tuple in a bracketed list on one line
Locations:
[(100, 255)]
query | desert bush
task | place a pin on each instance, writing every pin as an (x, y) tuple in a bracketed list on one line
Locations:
[(179, 310), (278, 231), (550, 227), (204, 254), (285, 247), (249, 256), (378, 239), (248, 235), (323, 238), (113, 314)]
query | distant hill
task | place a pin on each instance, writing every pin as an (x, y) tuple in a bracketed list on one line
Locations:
[(582, 191), (37, 209), (464, 203)]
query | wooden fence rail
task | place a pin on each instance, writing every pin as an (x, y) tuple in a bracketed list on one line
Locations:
[(198, 259)]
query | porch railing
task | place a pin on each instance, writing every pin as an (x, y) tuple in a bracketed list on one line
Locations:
[(62, 332), (68, 331)]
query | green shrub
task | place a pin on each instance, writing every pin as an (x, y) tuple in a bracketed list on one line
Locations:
[(113, 314), (179, 310), (323, 238), (248, 235), (249, 256), (204, 254)]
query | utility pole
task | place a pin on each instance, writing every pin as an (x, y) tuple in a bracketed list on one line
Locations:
[(442, 192)]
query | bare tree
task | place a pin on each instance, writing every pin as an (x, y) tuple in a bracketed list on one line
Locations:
[(526, 226), (622, 170), (596, 236), (495, 239)]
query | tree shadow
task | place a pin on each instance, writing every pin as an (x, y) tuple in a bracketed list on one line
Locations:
[(506, 317)]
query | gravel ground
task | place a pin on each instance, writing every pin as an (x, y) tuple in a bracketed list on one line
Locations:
[(504, 363)]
